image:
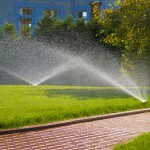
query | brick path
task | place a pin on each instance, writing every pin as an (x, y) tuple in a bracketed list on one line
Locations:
[(95, 135)]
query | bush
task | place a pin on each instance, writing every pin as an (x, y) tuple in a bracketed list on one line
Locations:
[(9, 29), (49, 26), (1, 32), (128, 28), (70, 34), (25, 31)]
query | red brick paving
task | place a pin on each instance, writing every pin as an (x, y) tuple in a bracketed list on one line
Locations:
[(95, 135)]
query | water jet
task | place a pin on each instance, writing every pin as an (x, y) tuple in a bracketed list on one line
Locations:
[(36, 63)]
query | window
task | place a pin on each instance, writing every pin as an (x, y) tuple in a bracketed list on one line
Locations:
[(82, 14), (51, 13), (25, 11)]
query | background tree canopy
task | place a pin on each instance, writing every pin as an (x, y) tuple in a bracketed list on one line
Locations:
[(68, 32), (128, 27)]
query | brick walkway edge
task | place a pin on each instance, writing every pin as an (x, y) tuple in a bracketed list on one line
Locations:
[(91, 133), (72, 121)]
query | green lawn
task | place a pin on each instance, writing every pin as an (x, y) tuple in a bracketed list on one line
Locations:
[(28, 105), (141, 142)]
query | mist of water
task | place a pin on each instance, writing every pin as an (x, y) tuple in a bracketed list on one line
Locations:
[(37, 63)]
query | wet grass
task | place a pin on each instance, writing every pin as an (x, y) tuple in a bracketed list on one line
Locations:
[(29, 105), (141, 142)]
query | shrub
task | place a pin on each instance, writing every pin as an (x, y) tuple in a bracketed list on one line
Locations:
[(68, 33), (9, 29), (128, 28), (25, 31)]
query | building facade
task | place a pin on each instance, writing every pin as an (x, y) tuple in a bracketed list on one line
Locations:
[(29, 12)]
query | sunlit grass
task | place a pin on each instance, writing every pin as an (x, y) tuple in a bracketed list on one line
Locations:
[(28, 105), (141, 142)]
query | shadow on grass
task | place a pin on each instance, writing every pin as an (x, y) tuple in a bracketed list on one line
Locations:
[(88, 93)]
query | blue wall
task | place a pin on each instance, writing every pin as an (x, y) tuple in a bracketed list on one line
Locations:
[(9, 9)]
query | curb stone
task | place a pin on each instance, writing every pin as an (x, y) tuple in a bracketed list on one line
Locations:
[(70, 122)]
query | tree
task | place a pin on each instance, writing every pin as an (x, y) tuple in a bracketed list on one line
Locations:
[(7, 30), (128, 27), (68, 33)]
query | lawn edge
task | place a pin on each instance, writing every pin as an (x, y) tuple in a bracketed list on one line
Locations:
[(72, 121)]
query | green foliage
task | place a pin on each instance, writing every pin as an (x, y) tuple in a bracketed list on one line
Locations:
[(26, 105), (1, 31), (46, 26), (9, 29), (80, 25), (67, 32), (141, 142), (25, 31), (128, 28), (94, 26)]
